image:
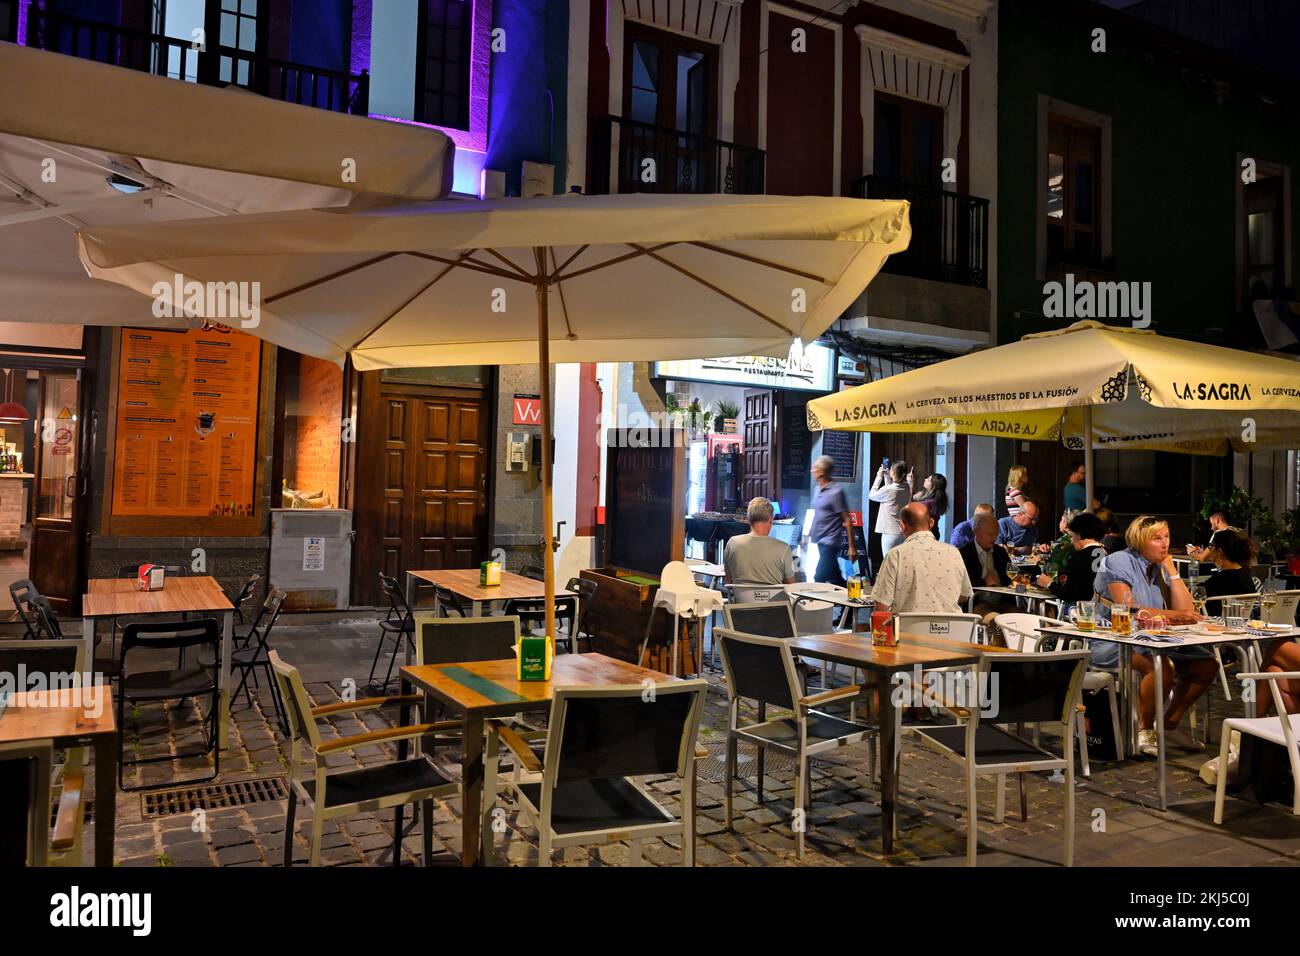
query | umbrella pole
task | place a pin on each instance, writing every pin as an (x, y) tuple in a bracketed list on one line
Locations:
[(1087, 457), (544, 387)]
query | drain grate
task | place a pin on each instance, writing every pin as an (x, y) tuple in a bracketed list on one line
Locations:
[(713, 768), (213, 796)]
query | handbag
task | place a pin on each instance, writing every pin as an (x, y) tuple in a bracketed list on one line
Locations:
[(1098, 726)]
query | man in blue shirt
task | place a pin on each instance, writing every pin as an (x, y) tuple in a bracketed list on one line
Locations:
[(1020, 530), (964, 533), (831, 523), (1075, 494)]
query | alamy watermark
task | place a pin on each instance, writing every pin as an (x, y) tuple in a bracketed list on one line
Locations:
[(1085, 299), (208, 300)]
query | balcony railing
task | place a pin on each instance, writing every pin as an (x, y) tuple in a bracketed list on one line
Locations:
[(179, 59), (629, 156), (950, 232)]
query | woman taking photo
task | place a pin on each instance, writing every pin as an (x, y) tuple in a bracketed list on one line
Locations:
[(934, 495), (1143, 577), (1017, 478)]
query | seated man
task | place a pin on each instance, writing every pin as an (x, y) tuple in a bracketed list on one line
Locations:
[(757, 558), (988, 566), (964, 533), (921, 574), (1020, 530)]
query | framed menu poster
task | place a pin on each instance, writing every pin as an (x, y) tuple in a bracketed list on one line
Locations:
[(185, 426)]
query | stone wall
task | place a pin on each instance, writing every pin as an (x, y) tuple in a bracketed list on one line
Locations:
[(516, 496)]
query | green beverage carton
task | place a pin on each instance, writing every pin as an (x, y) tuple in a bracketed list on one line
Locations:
[(489, 574), (534, 658)]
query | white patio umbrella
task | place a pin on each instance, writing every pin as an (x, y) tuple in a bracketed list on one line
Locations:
[(635, 277), (1074, 384)]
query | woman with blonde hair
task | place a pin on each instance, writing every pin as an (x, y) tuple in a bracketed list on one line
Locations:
[(1015, 493), (1143, 576)]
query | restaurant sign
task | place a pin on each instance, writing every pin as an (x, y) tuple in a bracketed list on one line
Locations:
[(811, 371)]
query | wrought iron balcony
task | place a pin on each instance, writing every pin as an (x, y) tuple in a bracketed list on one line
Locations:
[(629, 156), (950, 232), (179, 59)]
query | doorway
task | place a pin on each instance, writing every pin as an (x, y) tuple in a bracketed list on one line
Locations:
[(421, 496)]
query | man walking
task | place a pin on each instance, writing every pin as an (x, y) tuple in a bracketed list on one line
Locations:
[(831, 523)]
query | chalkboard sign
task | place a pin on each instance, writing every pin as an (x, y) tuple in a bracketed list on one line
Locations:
[(843, 448), (644, 519), (796, 446)]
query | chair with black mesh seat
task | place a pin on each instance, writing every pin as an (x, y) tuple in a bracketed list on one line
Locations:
[(342, 793), (397, 625), (59, 664), (448, 603), (22, 593), (602, 740), (532, 616), (1014, 689), (254, 656), (761, 669), (534, 571), (196, 682), (245, 592), (25, 803)]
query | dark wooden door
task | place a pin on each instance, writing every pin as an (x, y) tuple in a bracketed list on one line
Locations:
[(757, 478), (60, 490), (421, 495)]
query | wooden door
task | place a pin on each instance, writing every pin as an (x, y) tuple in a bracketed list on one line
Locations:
[(422, 469), (760, 427), (60, 490)]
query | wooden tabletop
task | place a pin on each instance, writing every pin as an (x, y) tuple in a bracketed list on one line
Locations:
[(485, 688), (856, 650), (113, 597), (513, 587), (63, 716)]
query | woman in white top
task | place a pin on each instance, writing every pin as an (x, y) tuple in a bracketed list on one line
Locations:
[(892, 498)]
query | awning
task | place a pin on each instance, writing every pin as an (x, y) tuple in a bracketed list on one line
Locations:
[(69, 125)]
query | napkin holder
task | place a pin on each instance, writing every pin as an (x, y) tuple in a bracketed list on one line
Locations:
[(533, 657), (151, 577), (489, 574)]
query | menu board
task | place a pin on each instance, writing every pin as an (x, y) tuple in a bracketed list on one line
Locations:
[(796, 446), (642, 534), (842, 447), (186, 423)]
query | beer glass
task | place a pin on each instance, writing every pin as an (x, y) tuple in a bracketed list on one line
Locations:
[(1084, 615)]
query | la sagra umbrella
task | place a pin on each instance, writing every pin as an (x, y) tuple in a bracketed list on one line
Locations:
[(565, 279), (1092, 385)]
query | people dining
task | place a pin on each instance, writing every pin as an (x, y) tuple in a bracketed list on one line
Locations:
[(1075, 581), (934, 495), (1014, 495), (1112, 540), (1020, 530), (1143, 576), (964, 533), (987, 565), (921, 574), (1232, 553), (757, 558), (1218, 524), (832, 524), (892, 496)]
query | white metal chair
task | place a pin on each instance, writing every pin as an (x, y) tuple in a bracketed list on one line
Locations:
[(1218, 656), (679, 594), (1280, 730), (342, 793), (956, 627), (601, 740), (1020, 689), (762, 669), (1021, 632)]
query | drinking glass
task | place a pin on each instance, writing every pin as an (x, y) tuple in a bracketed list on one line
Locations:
[(1234, 614), (1268, 599), (1121, 619), (1084, 615)]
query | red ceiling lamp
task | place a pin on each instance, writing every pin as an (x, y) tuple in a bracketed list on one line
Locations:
[(11, 412)]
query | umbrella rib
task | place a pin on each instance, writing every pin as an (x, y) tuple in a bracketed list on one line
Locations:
[(389, 317), (471, 264), (565, 265), (640, 251), (519, 269), (713, 288), (763, 262), (564, 308), (327, 278)]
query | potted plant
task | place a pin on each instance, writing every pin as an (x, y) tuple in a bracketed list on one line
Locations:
[(724, 421)]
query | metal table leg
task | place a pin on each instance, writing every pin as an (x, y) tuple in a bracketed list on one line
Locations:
[(1159, 662)]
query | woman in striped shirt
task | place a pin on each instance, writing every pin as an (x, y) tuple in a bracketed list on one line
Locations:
[(1015, 494)]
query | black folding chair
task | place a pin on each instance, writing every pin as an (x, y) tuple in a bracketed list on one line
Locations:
[(254, 655), (178, 683), (22, 593), (586, 591), (244, 594), (397, 625)]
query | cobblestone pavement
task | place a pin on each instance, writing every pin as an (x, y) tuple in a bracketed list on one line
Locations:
[(1117, 822)]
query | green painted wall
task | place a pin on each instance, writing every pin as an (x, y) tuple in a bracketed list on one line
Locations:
[(1174, 162)]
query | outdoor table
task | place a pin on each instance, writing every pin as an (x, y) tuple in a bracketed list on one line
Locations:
[(464, 584), (1032, 595), (1156, 646), (122, 597), (857, 651), (832, 594), (79, 717), (483, 689), (706, 569)]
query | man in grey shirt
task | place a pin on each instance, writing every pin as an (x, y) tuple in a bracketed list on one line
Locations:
[(757, 558)]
